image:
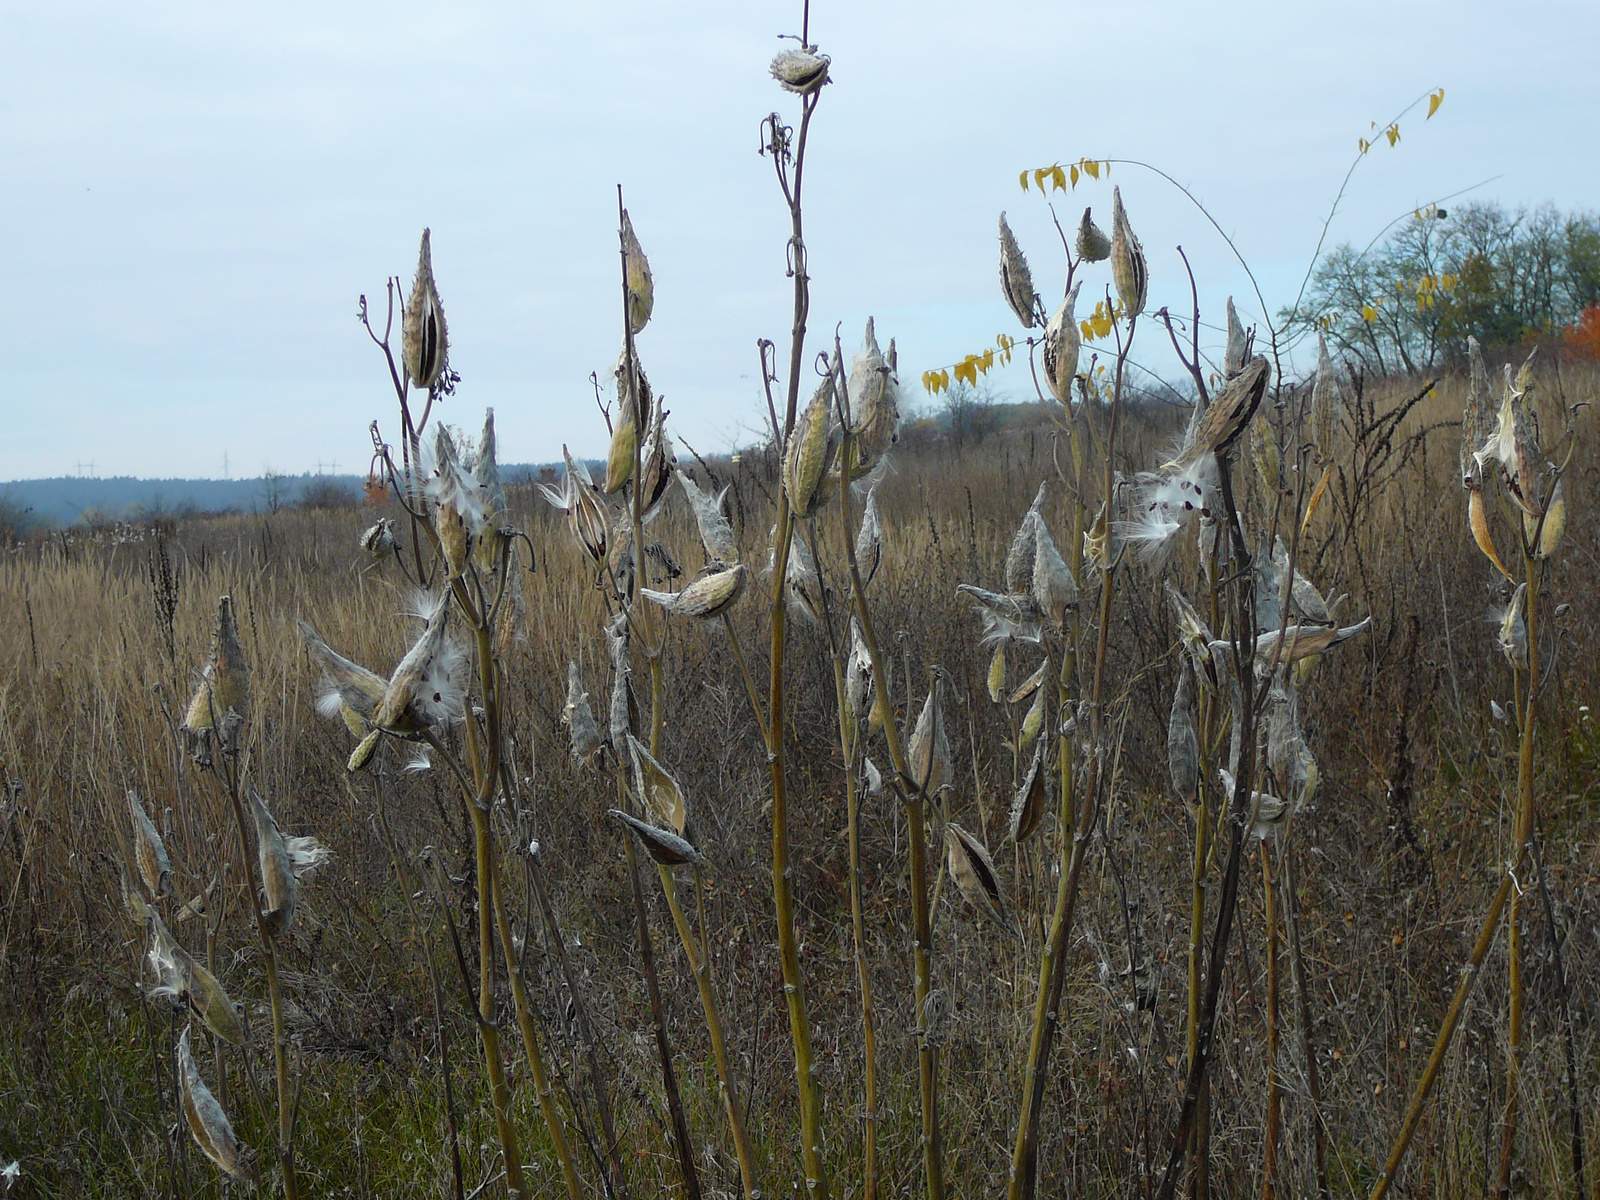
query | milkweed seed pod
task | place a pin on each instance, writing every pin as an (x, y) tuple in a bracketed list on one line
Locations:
[(928, 748), (426, 687), (1063, 341), (1128, 268), (1514, 443), (871, 777), (207, 1122), (1005, 617), (625, 437), (1237, 349), (1282, 723), (1327, 404), (1053, 589), (1513, 636), (1477, 417), (620, 712), (1478, 519), (874, 395), (716, 534), (346, 690), (424, 340), (974, 873), (1193, 634), (641, 288), (621, 557), (1299, 641), (1229, 414), (1546, 538), (149, 851), (1016, 281), (1030, 686), (458, 503), (1033, 720), (492, 493), (664, 847), (858, 685), (802, 586), (1183, 744), (183, 981), (225, 680), (869, 541), (1092, 244), (658, 792), (284, 862), (997, 674), (1019, 557), (657, 463), (1266, 813), (579, 718), (1028, 805), (1268, 589), (705, 598), (801, 71), (378, 539), (1305, 602), (810, 452)]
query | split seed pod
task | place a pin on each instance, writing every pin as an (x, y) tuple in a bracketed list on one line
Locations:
[(1029, 686), (801, 71), (869, 541), (1555, 524), (928, 748), (579, 718), (425, 689), (658, 791), (283, 862), (1230, 412), (1019, 557), (1300, 641), (1183, 744), (997, 674), (1128, 268), (874, 395), (1016, 281), (858, 683), (1478, 519), (1233, 355), (1063, 341), (1513, 636), (1477, 422), (810, 453), (207, 1122), (625, 437), (706, 597), (1033, 721), (666, 848), (974, 873), (182, 980), (641, 288), (1028, 805), (378, 539), (347, 690), (716, 534), (149, 851), (225, 680), (1005, 617), (1092, 244), (424, 340), (1053, 588)]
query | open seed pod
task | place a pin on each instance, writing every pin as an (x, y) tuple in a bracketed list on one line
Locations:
[(706, 597), (1053, 588), (801, 71), (347, 690), (716, 534), (1128, 268), (997, 673), (378, 539), (641, 288), (657, 790), (663, 846), (1005, 617), (1513, 636), (579, 718), (283, 861), (1238, 344), (1033, 721), (1028, 805), (869, 541), (1183, 744), (182, 980), (1016, 281), (1030, 686), (1229, 413), (1091, 243), (1063, 342), (207, 1122), (812, 445), (928, 748), (1019, 555), (149, 851), (426, 687), (1327, 404), (974, 873), (225, 679), (424, 339)]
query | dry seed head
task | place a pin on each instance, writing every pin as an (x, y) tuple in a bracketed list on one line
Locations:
[(149, 851), (182, 980), (974, 873), (869, 541), (579, 718), (1513, 636), (424, 340), (1183, 744), (492, 494), (874, 395), (997, 674), (1029, 686), (225, 680), (1229, 413), (207, 1122), (658, 792), (458, 505), (1128, 268), (378, 539), (1019, 557), (1092, 244), (928, 748), (1053, 588), (801, 71), (1299, 641), (1514, 442), (658, 461), (716, 534), (641, 288), (858, 684), (347, 690), (426, 687), (1305, 602), (810, 452), (1028, 805), (664, 847), (1063, 341), (706, 597), (1237, 350), (284, 861), (1016, 281), (625, 437), (1193, 633), (1267, 814), (620, 712), (1005, 617)]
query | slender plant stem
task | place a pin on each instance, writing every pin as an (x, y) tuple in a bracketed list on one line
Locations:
[(1269, 1160), (1297, 970)]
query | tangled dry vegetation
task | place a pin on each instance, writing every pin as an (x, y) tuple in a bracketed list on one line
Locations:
[(1149, 800)]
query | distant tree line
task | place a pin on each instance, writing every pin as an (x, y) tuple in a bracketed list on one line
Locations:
[(1409, 303)]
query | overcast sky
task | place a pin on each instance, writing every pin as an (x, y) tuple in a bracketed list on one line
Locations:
[(195, 194)]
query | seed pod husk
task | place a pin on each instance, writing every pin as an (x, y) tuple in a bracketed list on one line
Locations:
[(658, 791), (1229, 413), (579, 718), (1033, 722), (624, 441), (664, 847), (283, 862), (1063, 341), (810, 453), (1028, 805), (620, 713), (869, 541), (928, 748), (424, 340), (346, 690), (425, 688), (641, 288), (858, 683), (207, 1122), (149, 851), (1514, 443), (1128, 268), (1193, 634), (716, 534), (1016, 281), (1183, 744), (1555, 523), (1477, 419), (1300, 641), (378, 539), (874, 395), (1478, 519), (1237, 348), (801, 71), (1005, 617), (1513, 636), (974, 873), (1019, 556), (997, 674), (1053, 588), (1092, 244), (1030, 685), (225, 680), (184, 981), (706, 597), (1267, 813)]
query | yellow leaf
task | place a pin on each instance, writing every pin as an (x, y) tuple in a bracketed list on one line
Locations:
[(1362, 142), (1392, 133), (1023, 180), (1039, 176), (1058, 179), (1368, 313), (1074, 174), (1086, 329), (1092, 167), (1436, 99), (987, 360)]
